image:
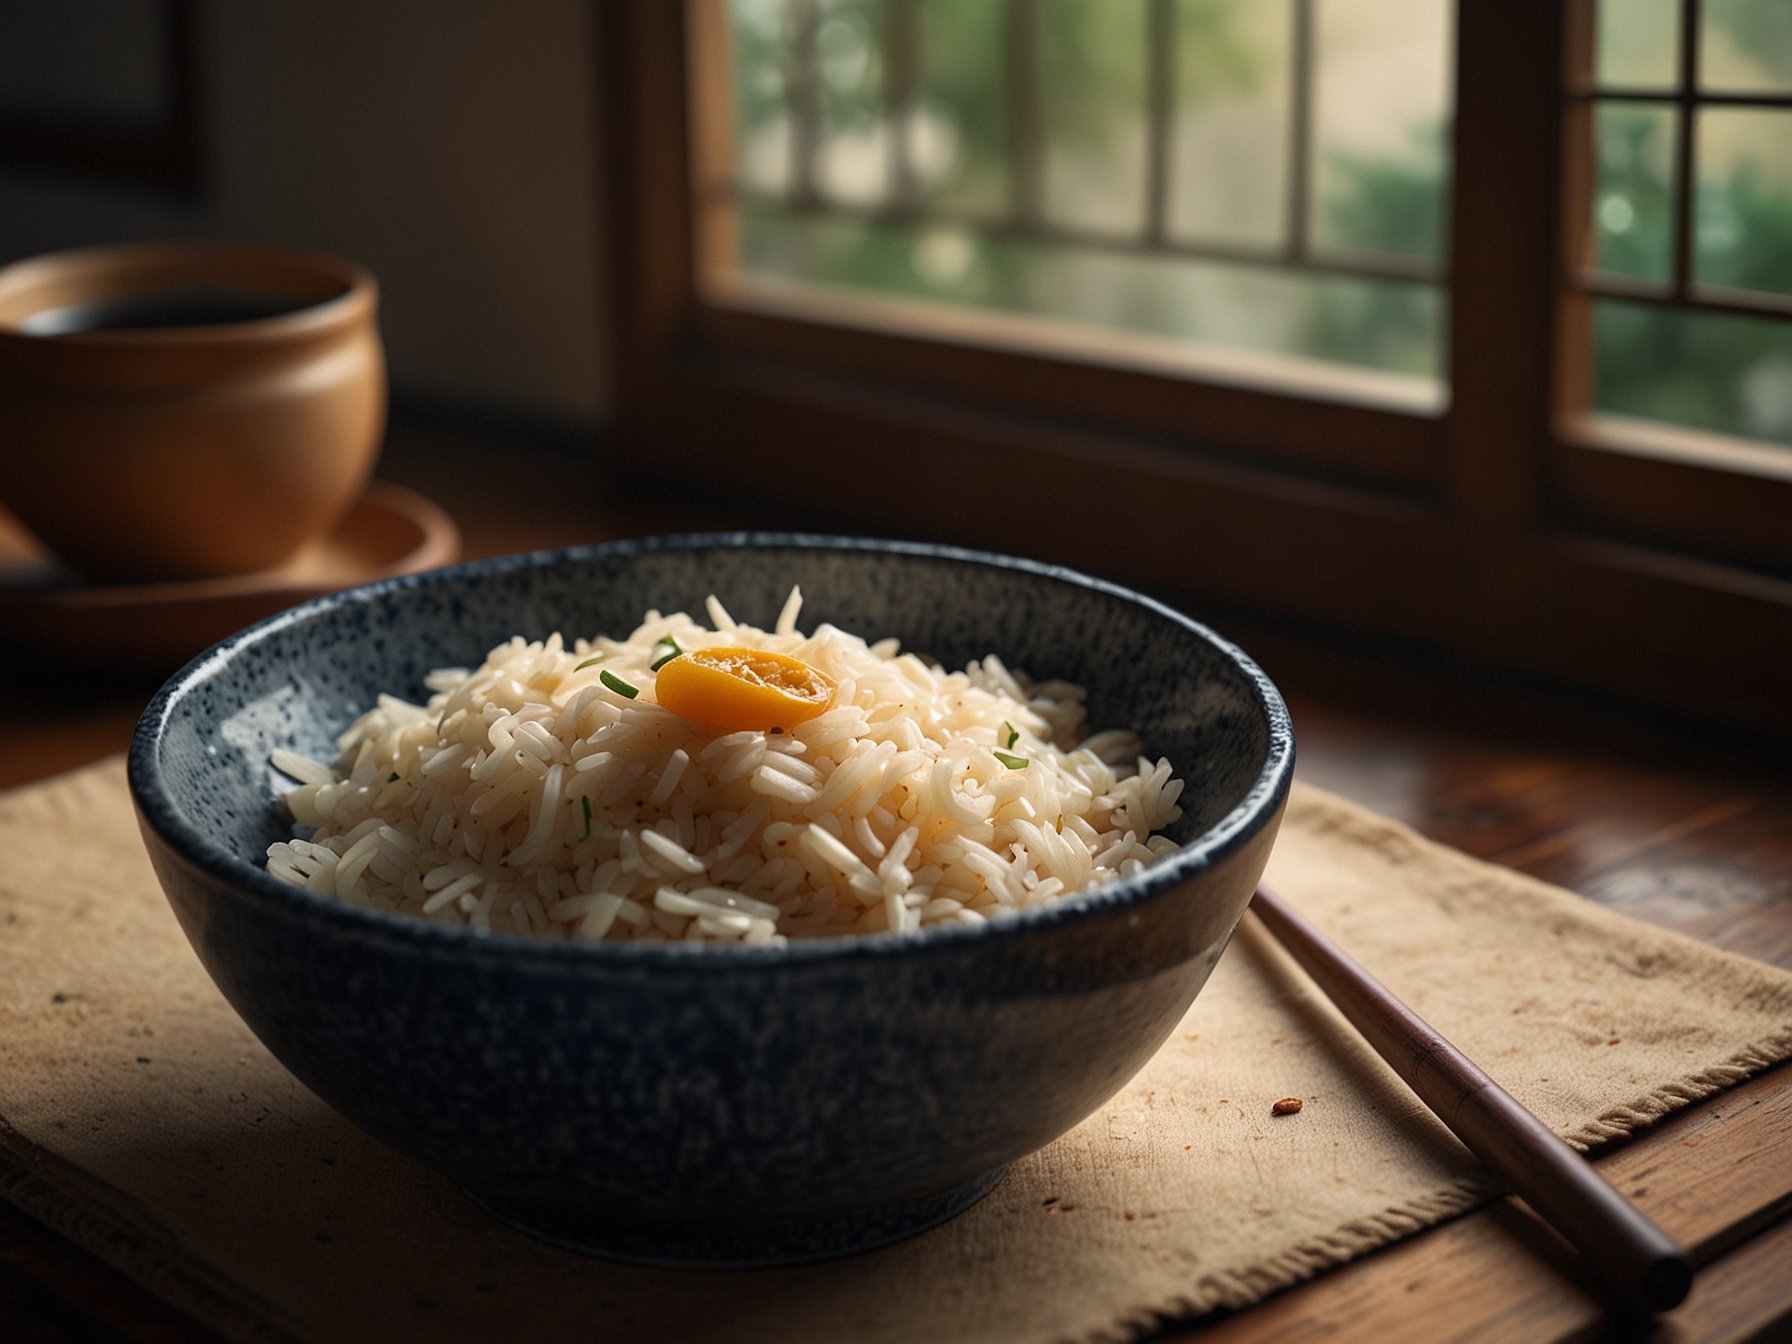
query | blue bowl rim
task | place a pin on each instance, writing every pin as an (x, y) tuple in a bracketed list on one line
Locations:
[(1259, 805)]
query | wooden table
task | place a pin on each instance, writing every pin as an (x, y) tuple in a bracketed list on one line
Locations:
[(1681, 826)]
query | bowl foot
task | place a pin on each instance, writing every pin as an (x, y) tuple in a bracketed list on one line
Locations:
[(705, 1244)]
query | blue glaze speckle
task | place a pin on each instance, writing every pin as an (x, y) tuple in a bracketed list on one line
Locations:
[(712, 1105)]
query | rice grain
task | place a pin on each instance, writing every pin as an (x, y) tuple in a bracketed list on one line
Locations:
[(526, 796)]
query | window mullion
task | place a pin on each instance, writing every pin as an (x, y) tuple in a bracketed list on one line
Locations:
[(1573, 393), (1300, 129), (902, 98), (1685, 151), (1026, 137), (1504, 267), (1160, 108), (803, 92)]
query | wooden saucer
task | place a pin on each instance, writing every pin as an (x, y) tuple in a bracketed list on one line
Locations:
[(158, 626)]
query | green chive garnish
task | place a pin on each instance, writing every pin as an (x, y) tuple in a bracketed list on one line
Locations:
[(589, 662), (587, 802), (617, 684), (1012, 762), (1013, 736), (676, 652), (392, 778)]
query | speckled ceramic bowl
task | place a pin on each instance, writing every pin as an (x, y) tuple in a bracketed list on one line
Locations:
[(712, 1105)]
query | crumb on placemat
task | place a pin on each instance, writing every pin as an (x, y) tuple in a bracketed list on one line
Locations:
[(1286, 1106)]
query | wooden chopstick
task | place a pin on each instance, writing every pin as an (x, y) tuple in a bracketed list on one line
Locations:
[(1630, 1254)]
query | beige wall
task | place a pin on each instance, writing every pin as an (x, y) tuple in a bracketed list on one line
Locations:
[(445, 144)]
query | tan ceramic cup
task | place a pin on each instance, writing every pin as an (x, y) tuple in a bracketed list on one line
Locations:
[(186, 410)]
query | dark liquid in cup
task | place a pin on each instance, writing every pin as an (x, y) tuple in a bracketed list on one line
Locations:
[(162, 310)]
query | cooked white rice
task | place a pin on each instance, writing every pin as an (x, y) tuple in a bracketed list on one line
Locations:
[(529, 797)]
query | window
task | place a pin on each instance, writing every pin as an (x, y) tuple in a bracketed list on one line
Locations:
[(1676, 341), (786, 247), (1217, 179), (1680, 130)]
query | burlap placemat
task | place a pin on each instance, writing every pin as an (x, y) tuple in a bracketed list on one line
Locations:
[(140, 1117)]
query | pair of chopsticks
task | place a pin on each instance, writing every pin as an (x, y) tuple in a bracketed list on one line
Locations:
[(1630, 1254)]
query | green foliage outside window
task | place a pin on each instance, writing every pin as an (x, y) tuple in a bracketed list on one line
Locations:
[(1730, 374)]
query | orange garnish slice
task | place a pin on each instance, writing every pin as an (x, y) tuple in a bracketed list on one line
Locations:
[(740, 689)]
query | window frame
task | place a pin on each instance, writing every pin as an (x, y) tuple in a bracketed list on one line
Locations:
[(1725, 498), (1508, 529)]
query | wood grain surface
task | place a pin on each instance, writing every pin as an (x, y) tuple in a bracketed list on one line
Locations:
[(1677, 824)]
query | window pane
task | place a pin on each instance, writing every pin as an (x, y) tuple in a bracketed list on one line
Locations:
[(960, 142), (852, 152), (1389, 325), (1745, 198), (1383, 107), (1229, 175), (761, 114), (1638, 44), (1705, 370), (1033, 199), (1745, 46), (1633, 206), (1092, 111)]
